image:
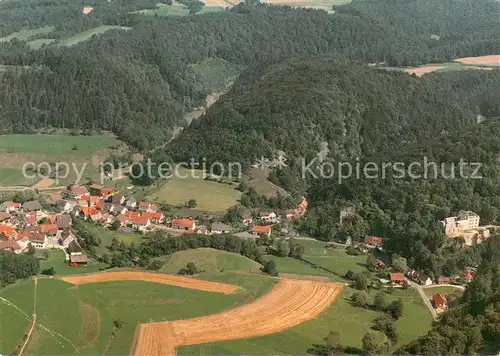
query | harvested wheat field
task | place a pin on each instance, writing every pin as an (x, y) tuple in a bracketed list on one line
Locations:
[(289, 304), (420, 71), (177, 281), (491, 60)]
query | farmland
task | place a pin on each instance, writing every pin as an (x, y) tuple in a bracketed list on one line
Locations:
[(189, 184), (481, 63), (290, 303), (17, 150), (91, 310), (351, 322), (209, 260), (85, 35)]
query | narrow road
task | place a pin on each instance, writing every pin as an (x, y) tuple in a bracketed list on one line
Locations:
[(33, 322), (425, 299)]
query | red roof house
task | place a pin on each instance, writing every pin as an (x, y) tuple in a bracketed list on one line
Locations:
[(258, 230), (183, 224), (439, 301), (468, 276)]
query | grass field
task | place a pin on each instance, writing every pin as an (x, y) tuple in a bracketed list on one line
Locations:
[(106, 235), (37, 44), (25, 35), (16, 150), (57, 260), (176, 9), (15, 319), (210, 196), (442, 289), (85, 35), (79, 319), (209, 260), (438, 67), (351, 322), (335, 260), (257, 179)]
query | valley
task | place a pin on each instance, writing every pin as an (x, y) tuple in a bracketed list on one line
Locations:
[(241, 177)]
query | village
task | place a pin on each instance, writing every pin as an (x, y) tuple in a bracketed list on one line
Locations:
[(28, 225)]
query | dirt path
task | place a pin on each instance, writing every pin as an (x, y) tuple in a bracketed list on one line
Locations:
[(33, 322), (290, 303), (178, 281), (426, 300)]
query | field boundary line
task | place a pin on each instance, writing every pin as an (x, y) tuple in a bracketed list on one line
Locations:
[(33, 322)]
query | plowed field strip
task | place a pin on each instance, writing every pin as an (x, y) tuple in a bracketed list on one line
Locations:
[(154, 278), (289, 304)]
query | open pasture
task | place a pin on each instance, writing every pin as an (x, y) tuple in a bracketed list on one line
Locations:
[(312, 4), (177, 9), (189, 184), (289, 304), (85, 35), (25, 35), (84, 151), (209, 260)]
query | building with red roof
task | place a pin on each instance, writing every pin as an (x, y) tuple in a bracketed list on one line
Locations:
[(439, 301), (398, 278), (183, 224), (49, 229), (261, 230)]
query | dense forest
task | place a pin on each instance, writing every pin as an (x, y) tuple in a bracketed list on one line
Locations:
[(138, 83), (406, 211), (352, 110), (473, 326)]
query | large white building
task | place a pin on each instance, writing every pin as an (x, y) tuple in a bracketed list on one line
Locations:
[(466, 220)]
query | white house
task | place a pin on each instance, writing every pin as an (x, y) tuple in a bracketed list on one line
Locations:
[(269, 216), (66, 205), (38, 240), (141, 224), (131, 203)]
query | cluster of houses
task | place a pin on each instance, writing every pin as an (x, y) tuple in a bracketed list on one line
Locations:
[(402, 279), (28, 224)]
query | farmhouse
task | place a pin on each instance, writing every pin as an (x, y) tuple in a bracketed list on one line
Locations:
[(10, 245), (74, 193), (183, 224), (444, 280), (31, 206), (374, 241), (424, 280), (37, 240), (156, 218), (219, 228), (10, 206), (439, 301), (398, 279), (261, 230), (118, 199), (141, 223), (247, 219), (7, 231), (269, 216), (48, 229), (63, 221), (123, 220)]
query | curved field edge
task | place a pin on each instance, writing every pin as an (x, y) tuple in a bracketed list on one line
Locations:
[(177, 281), (290, 303), (350, 321), (81, 318)]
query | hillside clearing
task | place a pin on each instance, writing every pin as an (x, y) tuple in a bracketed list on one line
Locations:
[(177, 9), (25, 35), (490, 60), (85, 35)]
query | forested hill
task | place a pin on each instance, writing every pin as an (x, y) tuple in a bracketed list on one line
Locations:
[(406, 210), (299, 106), (138, 83)]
